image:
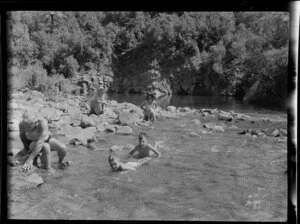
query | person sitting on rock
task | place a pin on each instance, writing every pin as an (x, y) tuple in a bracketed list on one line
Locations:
[(37, 139), (97, 104), (143, 148), (116, 165), (148, 106)]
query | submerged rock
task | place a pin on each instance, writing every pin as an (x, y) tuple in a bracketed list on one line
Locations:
[(20, 180), (196, 122), (35, 178), (194, 134)]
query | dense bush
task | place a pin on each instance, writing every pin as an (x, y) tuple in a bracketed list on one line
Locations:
[(216, 53)]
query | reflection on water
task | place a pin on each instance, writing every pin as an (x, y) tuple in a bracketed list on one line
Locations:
[(222, 103)]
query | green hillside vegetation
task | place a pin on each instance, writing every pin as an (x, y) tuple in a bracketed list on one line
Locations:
[(199, 53)]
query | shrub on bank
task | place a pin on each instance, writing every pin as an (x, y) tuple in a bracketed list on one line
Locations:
[(34, 77)]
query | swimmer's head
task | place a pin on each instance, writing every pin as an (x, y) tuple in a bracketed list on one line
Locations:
[(113, 162), (143, 139)]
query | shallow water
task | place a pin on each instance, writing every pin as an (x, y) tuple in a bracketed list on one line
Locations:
[(215, 177)]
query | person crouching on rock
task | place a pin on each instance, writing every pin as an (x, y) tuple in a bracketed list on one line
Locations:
[(97, 104), (37, 139), (148, 106), (143, 148)]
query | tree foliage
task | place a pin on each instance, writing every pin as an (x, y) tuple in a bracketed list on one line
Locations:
[(218, 52)]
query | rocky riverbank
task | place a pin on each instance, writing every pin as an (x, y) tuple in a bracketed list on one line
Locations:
[(69, 122)]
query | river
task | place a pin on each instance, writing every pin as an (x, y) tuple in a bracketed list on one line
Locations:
[(215, 177), (211, 102)]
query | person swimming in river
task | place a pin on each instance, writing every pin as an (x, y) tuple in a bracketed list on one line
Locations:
[(148, 106), (37, 139), (116, 165), (143, 148)]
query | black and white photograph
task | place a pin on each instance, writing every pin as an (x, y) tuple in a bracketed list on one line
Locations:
[(148, 115)]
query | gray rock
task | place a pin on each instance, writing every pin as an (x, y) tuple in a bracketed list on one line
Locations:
[(87, 122), (218, 128), (12, 105), (111, 128), (54, 125), (75, 133), (248, 134), (260, 133), (36, 95), (185, 110), (209, 125), (100, 127), (13, 152), (76, 119), (125, 130), (242, 117), (171, 108), (215, 149), (116, 148), (128, 118), (233, 127), (224, 116), (275, 133), (49, 113), (14, 135), (283, 132), (196, 122), (23, 181), (207, 111), (35, 178), (13, 127), (65, 119)]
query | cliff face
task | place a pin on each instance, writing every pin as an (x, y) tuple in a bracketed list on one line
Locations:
[(150, 69)]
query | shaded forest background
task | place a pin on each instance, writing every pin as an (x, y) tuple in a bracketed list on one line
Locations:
[(198, 53)]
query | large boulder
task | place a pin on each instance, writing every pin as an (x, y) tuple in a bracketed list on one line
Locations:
[(87, 121), (128, 118), (80, 134), (49, 113)]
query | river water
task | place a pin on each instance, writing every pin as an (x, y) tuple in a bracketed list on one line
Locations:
[(211, 102), (215, 177)]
